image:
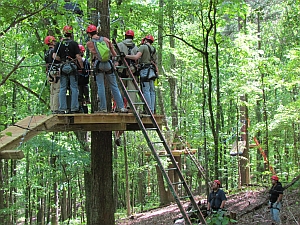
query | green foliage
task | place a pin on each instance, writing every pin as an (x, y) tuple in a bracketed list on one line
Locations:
[(219, 219), (249, 62)]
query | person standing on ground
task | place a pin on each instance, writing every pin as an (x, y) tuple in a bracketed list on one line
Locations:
[(147, 59), (52, 69), (104, 69), (68, 52), (216, 199), (275, 198)]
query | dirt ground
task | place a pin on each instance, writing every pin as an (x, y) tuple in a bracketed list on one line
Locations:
[(248, 206)]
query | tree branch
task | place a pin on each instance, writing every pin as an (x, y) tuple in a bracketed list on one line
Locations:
[(293, 182), (11, 72), (29, 90), (190, 45), (15, 21)]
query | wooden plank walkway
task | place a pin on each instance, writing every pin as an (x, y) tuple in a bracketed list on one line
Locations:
[(13, 136)]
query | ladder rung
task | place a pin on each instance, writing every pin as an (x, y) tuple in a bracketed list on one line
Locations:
[(139, 103), (151, 128), (192, 211), (144, 115), (121, 67), (169, 169), (157, 142), (127, 78), (176, 183), (165, 155), (184, 197), (132, 90)]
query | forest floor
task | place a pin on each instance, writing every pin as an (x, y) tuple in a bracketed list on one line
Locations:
[(249, 206)]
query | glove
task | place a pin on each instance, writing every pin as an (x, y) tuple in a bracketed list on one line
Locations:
[(122, 55)]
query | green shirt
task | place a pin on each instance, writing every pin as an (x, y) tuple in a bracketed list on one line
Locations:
[(146, 57)]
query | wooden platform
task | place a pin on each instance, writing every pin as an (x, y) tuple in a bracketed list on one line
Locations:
[(30, 126)]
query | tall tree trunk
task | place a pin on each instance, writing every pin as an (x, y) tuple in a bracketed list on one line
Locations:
[(28, 191), (213, 121), (102, 206), (127, 181), (218, 95), (159, 62), (172, 79), (54, 193), (82, 138), (142, 178), (102, 201), (244, 160), (265, 119), (2, 206)]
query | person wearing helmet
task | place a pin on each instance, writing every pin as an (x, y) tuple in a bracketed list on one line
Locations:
[(52, 70), (148, 72), (68, 52), (216, 199), (83, 81), (129, 48), (275, 198), (104, 70)]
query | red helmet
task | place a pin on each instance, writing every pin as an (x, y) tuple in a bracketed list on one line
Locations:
[(274, 177), (81, 48), (49, 39), (142, 41), (217, 182), (68, 29), (91, 28), (150, 37), (129, 33)]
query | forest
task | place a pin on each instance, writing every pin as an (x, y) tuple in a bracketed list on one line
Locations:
[(228, 90)]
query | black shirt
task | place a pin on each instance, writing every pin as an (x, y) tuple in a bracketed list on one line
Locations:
[(215, 199), (67, 47), (275, 191)]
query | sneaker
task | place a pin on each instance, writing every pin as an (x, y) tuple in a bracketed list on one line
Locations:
[(74, 112), (60, 112), (101, 111), (123, 110)]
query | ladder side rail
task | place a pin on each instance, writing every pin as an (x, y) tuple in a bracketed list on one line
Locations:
[(197, 163), (150, 145), (193, 158), (186, 187)]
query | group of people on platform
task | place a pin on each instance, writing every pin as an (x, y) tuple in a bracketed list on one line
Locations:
[(68, 69)]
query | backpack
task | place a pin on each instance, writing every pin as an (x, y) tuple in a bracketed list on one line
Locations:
[(153, 66), (103, 52), (51, 68), (130, 62), (68, 67)]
